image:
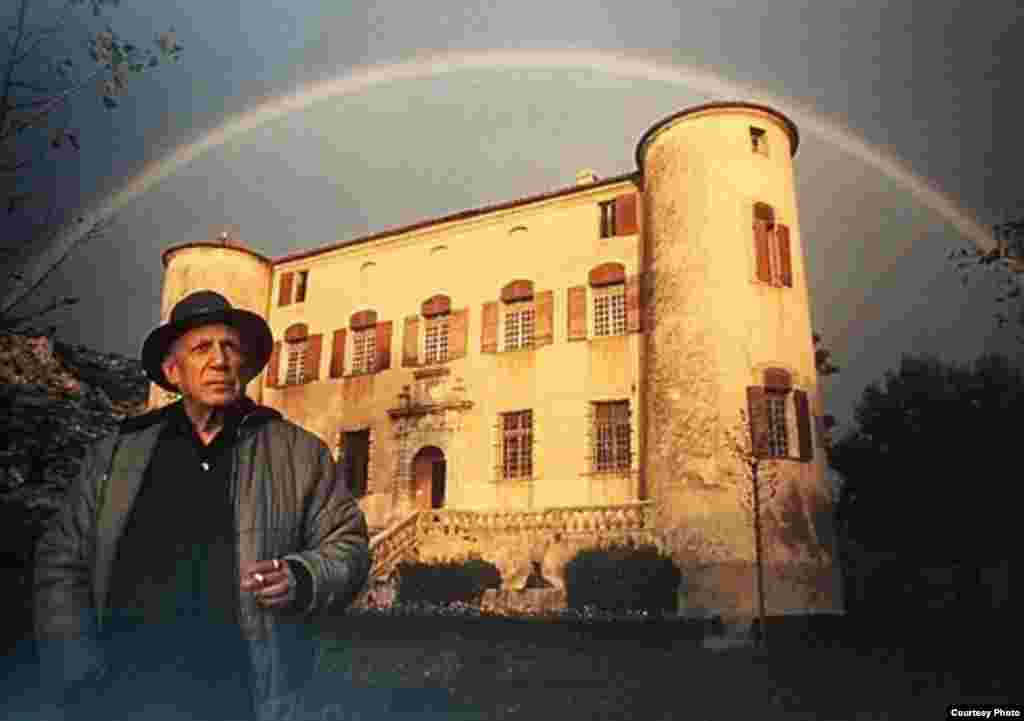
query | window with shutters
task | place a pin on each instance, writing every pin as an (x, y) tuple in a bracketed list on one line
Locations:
[(778, 425), (301, 285), (517, 444), (292, 287), (295, 372), (607, 218), (611, 435), (610, 310), (772, 261), (364, 355), (780, 417), (436, 340), (519, 320), (758, 141)]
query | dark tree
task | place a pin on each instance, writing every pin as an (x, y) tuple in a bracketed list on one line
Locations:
[(930, 468)]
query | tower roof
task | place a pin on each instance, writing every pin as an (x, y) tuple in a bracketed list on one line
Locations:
[(789, 125), (233, 245)]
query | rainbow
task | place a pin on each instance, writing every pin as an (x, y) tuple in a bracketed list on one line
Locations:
[(629, 66)]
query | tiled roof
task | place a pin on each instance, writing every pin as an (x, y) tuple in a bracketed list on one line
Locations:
[(460, 215)]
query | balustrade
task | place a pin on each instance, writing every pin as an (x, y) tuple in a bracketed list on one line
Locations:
[(392, 543), (570, 520), (390, 546)]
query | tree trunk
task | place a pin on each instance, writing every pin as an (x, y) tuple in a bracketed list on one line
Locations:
[(759, 561)]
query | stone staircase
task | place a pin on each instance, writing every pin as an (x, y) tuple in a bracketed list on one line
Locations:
[(502, 535)]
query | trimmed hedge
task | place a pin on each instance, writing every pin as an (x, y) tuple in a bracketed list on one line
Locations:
[(445, 583), (622, 579)]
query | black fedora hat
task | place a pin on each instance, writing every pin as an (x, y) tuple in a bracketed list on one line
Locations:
[(205, 307)]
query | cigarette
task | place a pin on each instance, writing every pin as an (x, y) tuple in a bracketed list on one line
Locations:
[(277, 564)]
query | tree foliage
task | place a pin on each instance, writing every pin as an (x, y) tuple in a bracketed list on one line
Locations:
[(40, 77), (1002, 264), (929, 460), (823, 357), (622, 578)]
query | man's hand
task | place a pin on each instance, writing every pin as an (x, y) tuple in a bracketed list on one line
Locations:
[(271, 582)]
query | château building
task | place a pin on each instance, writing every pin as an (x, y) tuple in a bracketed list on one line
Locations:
[(524, 379)]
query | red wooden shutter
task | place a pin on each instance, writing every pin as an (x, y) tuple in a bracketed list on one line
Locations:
[(383, 349), (803, 424), (578, 313), (517, 290), (312, 369), (273, 366), (489, 328), (757, 409), (607, 274), (545, 327), (338, 353), (634, 322), (786, 264), (777, 379), (284, 296), (625, 214), (411, 341), (762, 251), (458, 329), (435, 305)]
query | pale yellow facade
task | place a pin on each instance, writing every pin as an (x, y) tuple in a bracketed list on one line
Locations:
[(686, 327)]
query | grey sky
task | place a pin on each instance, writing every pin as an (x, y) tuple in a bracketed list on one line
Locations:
[(929, 81)]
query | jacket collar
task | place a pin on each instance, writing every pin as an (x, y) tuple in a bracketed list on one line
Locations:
[(252, 415)]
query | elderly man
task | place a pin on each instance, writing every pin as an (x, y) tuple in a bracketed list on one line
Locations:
[(180, 578)]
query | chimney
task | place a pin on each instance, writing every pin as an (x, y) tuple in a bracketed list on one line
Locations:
[(586, 177), (226, 234)]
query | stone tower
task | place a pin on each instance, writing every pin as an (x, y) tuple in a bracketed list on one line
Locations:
[(727, 320), (226, 266)]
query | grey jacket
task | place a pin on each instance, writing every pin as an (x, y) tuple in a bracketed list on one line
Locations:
[(289, 503)]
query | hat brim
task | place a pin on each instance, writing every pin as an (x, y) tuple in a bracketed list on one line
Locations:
[(254, 333)]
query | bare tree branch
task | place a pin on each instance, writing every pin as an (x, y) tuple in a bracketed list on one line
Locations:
[(92, 233)]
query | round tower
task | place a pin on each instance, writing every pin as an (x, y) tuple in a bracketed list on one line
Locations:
[(226, 266), (729, 337)]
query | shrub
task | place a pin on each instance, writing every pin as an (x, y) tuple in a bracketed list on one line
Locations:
[(444, 583), (622, 579)]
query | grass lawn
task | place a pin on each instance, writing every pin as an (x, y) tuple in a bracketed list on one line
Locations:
[(511, 675)]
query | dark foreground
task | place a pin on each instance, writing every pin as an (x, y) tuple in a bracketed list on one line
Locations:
[(524, 670), (472, 668)]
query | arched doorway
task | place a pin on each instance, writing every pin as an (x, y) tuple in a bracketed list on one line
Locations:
[(428, 478)]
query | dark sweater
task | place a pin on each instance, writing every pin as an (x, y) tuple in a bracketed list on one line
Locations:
[(174, 584)]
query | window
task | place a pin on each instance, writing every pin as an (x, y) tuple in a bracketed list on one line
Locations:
[(771, 248), (517, 444), (612, 436), (778, 426), (780, 418), (301, 283), (295, 373), (364, 350), (758, 141), (436, 341), (519, 325), (292, 287), (610, 310), (355, 460), (607, 218)]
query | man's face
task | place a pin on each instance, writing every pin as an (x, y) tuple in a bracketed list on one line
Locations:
[(206, 365)]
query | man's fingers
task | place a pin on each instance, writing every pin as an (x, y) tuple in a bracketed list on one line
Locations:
[(264, 567), (276, 590)]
